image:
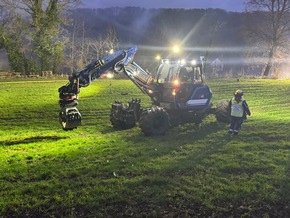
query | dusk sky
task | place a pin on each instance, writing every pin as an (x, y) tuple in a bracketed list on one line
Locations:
[(229, 5)]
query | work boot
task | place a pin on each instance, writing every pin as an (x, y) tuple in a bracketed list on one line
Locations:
[(230, 131), (236, 132)]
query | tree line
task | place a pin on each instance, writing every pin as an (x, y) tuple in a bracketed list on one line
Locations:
[(58, 36)]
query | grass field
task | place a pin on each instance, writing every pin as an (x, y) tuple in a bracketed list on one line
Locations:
[(95, 171)]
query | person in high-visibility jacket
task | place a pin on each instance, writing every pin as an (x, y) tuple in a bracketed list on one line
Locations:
[(238, 109)]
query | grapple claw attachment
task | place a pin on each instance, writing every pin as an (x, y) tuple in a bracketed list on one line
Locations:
[(69, 118)]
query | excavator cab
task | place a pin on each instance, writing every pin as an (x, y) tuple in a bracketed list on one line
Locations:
[(183, 85)]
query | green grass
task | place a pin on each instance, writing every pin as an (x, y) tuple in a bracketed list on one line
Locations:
[(95, 171)]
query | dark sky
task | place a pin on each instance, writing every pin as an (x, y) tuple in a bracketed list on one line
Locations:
[(229, 5)]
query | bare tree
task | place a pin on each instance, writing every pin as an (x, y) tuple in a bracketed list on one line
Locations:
[(213, 31), (111, 40), (83, 51), (270, 24), (42, 21)]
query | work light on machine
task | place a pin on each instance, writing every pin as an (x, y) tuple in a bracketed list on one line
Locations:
[(166, 61), (176, 49), (135, 73), (176, 82), (182, 62), (110, 76), (193, 62)]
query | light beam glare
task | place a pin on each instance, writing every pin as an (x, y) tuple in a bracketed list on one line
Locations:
[(236, 49)]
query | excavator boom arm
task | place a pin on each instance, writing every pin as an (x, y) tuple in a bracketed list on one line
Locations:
[(119, 61), (83, 78)]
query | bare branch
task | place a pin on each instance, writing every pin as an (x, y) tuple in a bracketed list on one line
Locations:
[(273, 19)]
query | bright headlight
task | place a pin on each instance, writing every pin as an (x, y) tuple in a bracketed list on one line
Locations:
[(176, 82), (110, 76), (193, 62)]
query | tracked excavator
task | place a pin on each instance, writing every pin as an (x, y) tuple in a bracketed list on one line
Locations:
[(178, 93)]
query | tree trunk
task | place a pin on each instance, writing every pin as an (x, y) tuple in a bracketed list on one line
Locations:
[(269, 63), (268, 68)]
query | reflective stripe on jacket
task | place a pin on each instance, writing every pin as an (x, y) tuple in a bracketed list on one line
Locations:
[(237, 109)]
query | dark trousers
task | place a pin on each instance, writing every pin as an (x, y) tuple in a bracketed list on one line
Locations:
[(236, 123)]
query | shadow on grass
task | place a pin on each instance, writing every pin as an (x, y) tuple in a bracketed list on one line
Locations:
[(31, 140), (187, 132)]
